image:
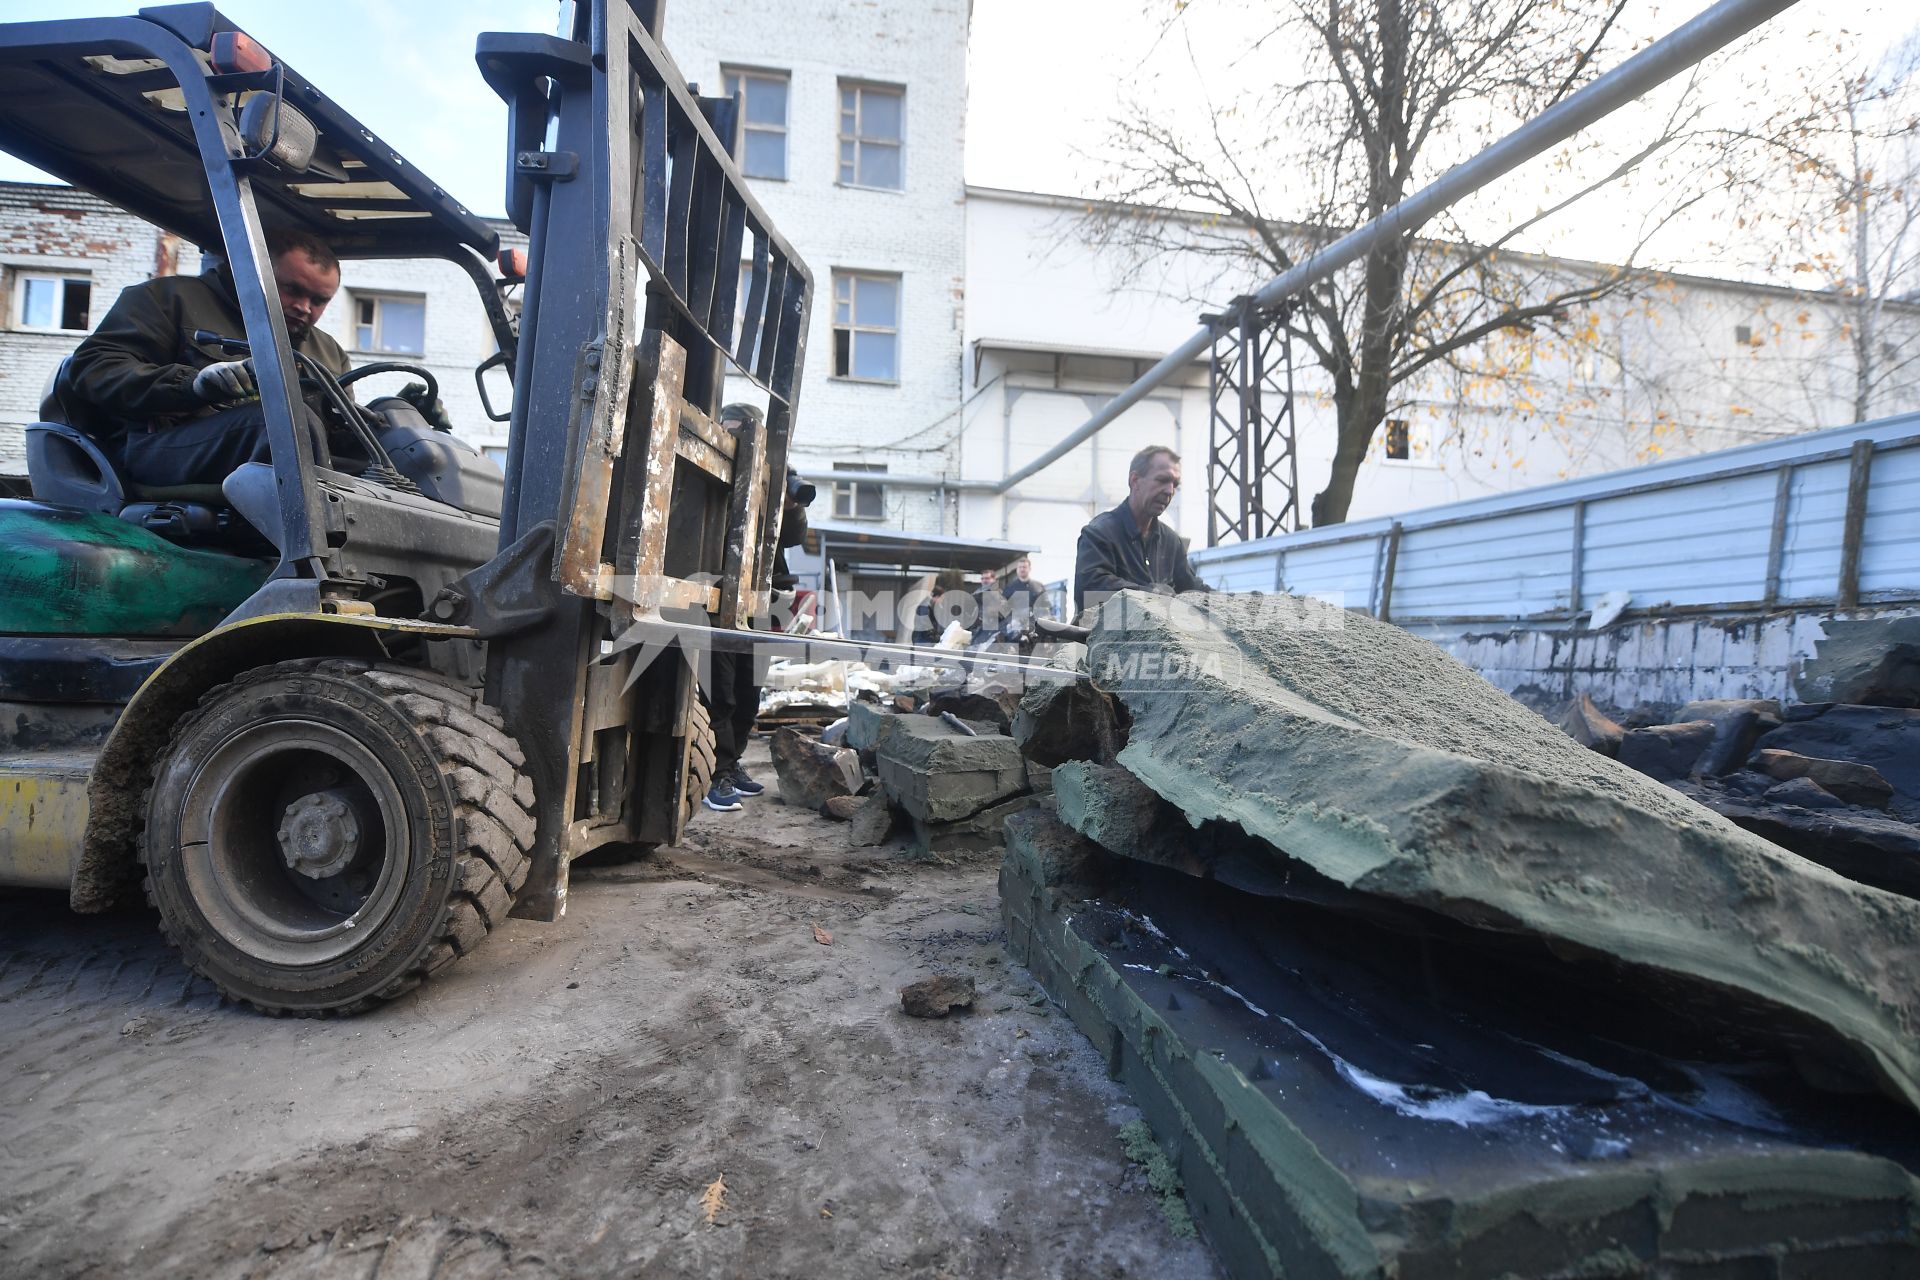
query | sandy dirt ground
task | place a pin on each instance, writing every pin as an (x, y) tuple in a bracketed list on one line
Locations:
[(562, 1102)]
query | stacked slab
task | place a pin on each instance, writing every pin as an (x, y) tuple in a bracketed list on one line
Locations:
[(957, 788), (1576, 937)]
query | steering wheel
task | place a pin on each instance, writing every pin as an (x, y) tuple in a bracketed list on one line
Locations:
[(391, 366)]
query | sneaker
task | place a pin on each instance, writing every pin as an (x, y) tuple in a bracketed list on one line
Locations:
[(740, 780), (722, 798)]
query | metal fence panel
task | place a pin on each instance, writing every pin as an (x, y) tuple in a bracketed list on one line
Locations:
[(1693, 544), (1338, 571), (1816, 524), (1890, 545), (1486, 567), (1691, 533)]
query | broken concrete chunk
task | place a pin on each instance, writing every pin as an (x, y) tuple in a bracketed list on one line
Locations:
[(867, 724), (1587, 725), (936, 997), (872, 823), (812, 773), (1862, 846), (1373, 757), (995, 709), (1122, 814), (1859, 784), (938, 774), (1666, 751), (1117, 811), (977, 833), (1045, 851), (1888, 738), (1068, 720), (1870, 661), (1736, 723), (1804, 792), (841, 808)]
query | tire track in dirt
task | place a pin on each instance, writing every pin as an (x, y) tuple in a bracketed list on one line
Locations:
[(556, 1104)]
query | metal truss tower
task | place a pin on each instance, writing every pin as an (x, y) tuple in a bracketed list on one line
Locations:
[(1253, 470)]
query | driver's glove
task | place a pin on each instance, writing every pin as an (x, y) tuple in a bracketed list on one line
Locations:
[(415, 394), (226, 383)]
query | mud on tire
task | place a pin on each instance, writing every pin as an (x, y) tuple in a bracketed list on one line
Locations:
[(323, 835)]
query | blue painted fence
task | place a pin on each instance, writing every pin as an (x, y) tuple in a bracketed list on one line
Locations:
[(1828, 519)]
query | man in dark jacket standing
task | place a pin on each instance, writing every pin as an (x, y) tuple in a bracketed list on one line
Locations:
[(179, 412), (1128, 547), (734, 699)]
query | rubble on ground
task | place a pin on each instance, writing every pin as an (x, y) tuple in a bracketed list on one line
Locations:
[(1838, 784), (936, 997), (1378, 760), (872, 823), (812, 773), (841, 808), (1299, 819), (938, 774)]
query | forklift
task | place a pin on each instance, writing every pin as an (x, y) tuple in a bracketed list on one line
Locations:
[(337, 727)]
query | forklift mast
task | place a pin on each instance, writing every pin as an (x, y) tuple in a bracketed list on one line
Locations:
[(651, 271)]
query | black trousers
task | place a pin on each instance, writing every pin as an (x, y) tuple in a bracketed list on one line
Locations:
[(734, 701), (207, 450)]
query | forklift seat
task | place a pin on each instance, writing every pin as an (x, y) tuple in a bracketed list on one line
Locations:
[(68, 468)]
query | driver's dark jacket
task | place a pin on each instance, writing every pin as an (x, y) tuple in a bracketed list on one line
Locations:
[(137, 368), (1113, 556)]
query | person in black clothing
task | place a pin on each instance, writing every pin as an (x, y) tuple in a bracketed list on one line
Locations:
[(1026, 599), (734, 698), (1128, 547), (181, 412)]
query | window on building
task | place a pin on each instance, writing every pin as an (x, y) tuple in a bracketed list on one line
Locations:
[(859, 499), (392, 323), (866, 327), (872, 136), (1408, 442), (1399, 440), (1743, 335), (54, 303), (762, 144)]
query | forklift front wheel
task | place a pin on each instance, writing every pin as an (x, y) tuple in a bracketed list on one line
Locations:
[(322, 835)]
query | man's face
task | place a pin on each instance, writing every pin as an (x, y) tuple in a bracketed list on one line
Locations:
[(306, 288), (1151, 491), (1022, 569)]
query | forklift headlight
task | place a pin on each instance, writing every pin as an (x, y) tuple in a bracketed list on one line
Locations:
[(271, 128)]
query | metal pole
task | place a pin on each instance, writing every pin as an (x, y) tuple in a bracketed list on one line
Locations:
[(1719, 26)]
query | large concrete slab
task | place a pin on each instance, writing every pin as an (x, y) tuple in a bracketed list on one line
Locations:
[(1331, 1119), (1384, 764)]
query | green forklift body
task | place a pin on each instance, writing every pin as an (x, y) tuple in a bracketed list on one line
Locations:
[(70, 572)]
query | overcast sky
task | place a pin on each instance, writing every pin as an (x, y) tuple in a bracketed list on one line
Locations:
[(1044, 75)]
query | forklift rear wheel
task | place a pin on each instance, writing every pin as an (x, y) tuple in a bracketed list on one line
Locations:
[(323, 835)]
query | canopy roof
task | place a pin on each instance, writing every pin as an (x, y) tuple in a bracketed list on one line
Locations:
[(99, 103)]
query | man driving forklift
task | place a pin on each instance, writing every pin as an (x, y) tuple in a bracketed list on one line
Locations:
[(184, 412)]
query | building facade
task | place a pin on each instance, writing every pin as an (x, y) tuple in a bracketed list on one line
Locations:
[(852, 140)]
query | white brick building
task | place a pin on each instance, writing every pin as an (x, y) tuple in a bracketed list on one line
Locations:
[(64, 258), (853, 143)]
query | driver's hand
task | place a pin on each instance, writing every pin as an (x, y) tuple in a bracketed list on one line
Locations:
[(415, 394), (226, 383)]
